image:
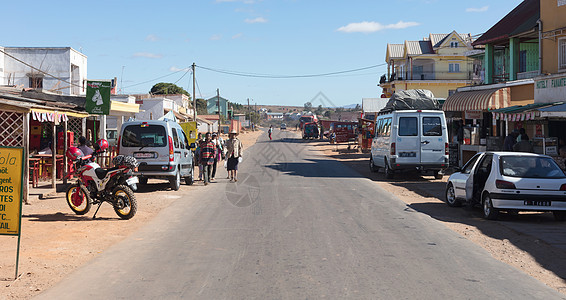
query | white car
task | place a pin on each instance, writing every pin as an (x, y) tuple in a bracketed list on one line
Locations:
[(509, 181)]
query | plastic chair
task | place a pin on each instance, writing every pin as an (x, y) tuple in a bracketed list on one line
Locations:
[(34, 173)]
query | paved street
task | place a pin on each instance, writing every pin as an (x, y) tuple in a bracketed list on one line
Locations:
[(297, 225)]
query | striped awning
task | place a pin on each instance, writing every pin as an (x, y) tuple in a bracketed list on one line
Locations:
[(483, 100)]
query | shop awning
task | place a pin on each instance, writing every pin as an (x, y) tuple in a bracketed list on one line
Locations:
[(483, 100), (530, 111)]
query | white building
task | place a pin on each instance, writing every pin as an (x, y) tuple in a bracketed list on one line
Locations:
[(59, 69)]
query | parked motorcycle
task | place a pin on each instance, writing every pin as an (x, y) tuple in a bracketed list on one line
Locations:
[(96, 185)]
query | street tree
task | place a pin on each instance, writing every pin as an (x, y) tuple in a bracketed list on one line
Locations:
[(164, 88)]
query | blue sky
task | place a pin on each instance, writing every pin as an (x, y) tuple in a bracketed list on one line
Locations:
[(150, 39)]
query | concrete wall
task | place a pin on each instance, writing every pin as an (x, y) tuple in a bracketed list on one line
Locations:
[(552, 17), (55, 61), (522, 94), (152, 110)]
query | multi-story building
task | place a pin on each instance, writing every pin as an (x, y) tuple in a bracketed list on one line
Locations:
[(60, 70), (437, 63)]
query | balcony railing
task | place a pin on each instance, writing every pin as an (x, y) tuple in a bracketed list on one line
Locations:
[(430, 76), (527, 75)]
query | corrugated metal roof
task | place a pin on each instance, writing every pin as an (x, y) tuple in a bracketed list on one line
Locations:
[(373, 104), (419, 47), (520, 17), (437, 39), (395, 50)]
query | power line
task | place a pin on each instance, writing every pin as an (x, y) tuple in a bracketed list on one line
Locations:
[(148, 81), (274, 76)]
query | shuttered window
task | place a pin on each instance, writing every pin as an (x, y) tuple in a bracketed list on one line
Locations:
[(562, 54)]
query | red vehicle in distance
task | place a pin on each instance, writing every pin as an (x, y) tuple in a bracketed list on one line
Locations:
[(307, 119), (343, 132)]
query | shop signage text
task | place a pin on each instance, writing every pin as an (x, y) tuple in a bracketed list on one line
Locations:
[(473, 114), (98, 97), (10, 190), (552, 83)]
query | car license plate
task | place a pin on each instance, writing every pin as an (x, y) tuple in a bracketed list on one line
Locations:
[(132, 180), (407, 154), (537, 203), (144, 155)]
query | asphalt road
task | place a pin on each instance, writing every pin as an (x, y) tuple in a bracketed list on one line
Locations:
[(297, 225)]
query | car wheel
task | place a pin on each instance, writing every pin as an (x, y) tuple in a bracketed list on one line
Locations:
[(559, 215), (175, 181), (438, 175), (372, 167), (489, 212), (451, 196), (189, 179), (388, 172), (143, 180)]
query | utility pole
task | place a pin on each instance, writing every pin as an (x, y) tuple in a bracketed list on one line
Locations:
[(248, 104), (218, 106), (194, 95)]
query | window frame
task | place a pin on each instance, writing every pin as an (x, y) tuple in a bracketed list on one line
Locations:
[(561, 53)]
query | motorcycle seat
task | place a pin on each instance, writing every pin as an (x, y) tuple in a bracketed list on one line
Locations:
[(101, 173)]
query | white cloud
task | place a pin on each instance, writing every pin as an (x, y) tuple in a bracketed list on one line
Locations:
[(175, 69), (152, 38), (256, 20), (481, 9), (216, 37), (237, 35), (147, 55), (367, 27)]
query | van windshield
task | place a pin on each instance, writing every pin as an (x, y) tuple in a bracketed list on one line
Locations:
[(144, 136)]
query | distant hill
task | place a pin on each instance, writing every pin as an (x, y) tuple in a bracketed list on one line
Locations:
[(350, 106)]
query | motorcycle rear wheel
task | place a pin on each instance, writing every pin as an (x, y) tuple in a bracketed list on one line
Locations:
[(125, 204), (79, 206)]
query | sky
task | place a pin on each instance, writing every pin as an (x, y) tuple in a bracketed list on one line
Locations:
[(278, 42)]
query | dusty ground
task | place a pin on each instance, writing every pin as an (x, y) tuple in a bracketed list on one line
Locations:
[(55, 241), (424, 194)]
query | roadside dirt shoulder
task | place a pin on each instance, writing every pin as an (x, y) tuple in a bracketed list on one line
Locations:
[(55, 241), (425, 194)]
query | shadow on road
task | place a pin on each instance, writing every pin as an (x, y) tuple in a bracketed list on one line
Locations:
[(61, 217)]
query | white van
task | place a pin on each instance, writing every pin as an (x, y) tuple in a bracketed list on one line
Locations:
[(161, 148), (410, 140)]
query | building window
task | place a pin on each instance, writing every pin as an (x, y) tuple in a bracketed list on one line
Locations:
[(453, 44), (561, 2), (454, 68), (562, 54), (36, 82)]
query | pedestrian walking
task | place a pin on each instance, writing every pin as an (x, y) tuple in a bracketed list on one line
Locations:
[(524, 145), (217, 154), (234, 151), (207, 157), (270, 131), (510, 140)]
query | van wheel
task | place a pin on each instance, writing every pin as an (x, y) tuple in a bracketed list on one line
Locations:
[(143, 180), (489, 212), (372, 167), (388, 172), (175, 181), (189, 179), (438, 175)]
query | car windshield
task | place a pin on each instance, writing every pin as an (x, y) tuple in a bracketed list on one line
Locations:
[(144, 135), (530, 167)]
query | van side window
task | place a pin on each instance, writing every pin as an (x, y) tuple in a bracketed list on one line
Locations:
[(175, 138), (432, 126), (387, 127), (408, 126), (182, 138), (378, 128)]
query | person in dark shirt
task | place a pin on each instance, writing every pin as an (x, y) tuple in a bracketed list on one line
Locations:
[(510, 140), (207, 157)]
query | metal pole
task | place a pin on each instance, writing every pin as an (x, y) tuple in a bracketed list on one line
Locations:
[(65, 140), (54, 157), (26, 157), (218, 106), (194, 95)]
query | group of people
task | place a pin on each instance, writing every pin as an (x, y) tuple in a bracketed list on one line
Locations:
[(518, 140), (212, 149)]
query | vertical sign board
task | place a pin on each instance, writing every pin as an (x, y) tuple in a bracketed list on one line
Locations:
[(11, 186), (98, 97)]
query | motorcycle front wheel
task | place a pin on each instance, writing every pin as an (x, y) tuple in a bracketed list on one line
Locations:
[(78, 199), (125, 204)]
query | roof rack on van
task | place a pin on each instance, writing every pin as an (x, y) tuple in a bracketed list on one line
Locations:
[(411, 99)]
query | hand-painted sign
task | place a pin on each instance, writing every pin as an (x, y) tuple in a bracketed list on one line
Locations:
[(11, 173), (98, 97)]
